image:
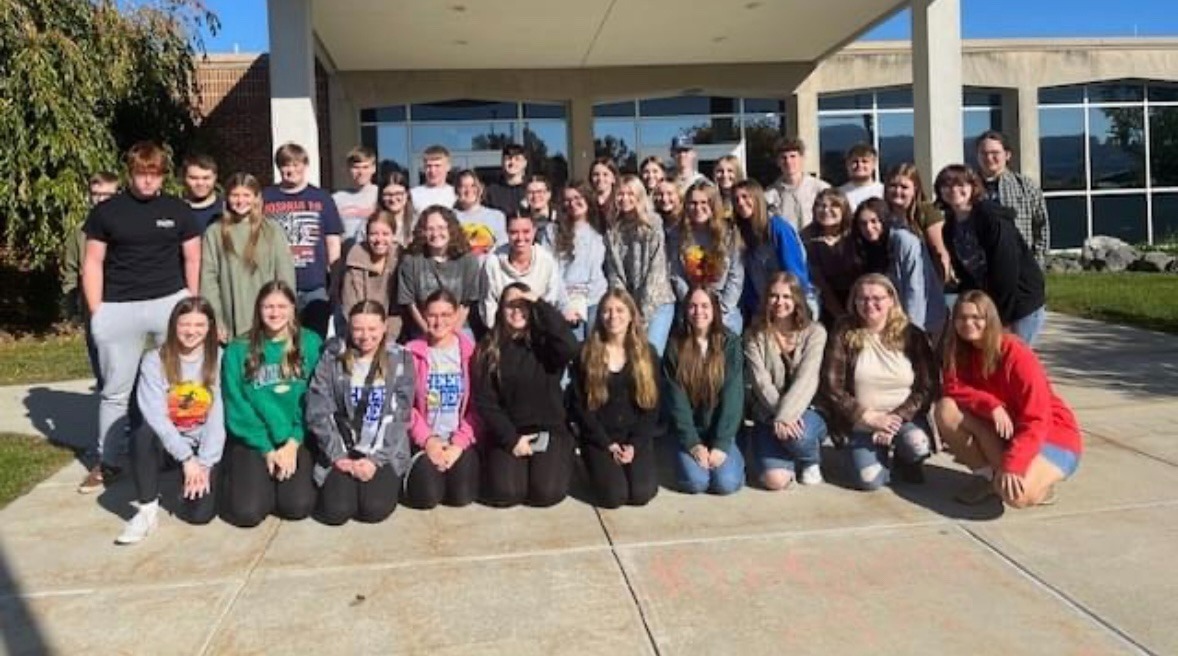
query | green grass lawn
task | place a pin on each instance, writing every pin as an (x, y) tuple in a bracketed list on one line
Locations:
[(43, 359), (26, 460), (1145, 300)]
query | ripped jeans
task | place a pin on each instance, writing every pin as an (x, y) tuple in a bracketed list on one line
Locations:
[(871, 462)]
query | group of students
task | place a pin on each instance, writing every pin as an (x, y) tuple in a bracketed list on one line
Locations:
[(477, 349)]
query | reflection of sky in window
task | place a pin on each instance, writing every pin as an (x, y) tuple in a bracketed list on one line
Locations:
[(973, 124), (621, 129), (463, 136), (391, 143), (1061, 148), (553, 134), (836, 134), (896, 141), (659, 132), (1117, 151)]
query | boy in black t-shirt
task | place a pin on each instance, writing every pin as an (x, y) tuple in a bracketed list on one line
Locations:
[(311, 222), (142, 256), (200, 189)]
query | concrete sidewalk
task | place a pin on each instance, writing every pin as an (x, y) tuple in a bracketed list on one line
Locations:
[(812, 571)]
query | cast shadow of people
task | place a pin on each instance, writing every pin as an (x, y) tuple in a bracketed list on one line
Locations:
[(66, 418)]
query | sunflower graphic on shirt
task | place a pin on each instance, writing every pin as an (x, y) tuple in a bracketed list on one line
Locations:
[(702, 267), (188, 405), (480, 236)]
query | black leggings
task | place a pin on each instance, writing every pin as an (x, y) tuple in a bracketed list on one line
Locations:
[(343, 497), (616, 485), (541, 479), (426, 487), (251, 494), (148, 459)]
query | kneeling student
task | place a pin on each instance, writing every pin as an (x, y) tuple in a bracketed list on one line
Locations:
[(182, 419), (358, 409)]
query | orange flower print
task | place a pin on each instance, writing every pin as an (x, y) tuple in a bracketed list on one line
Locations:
[(701, 267)]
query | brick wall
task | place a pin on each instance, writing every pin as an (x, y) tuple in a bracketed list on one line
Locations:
[(234, 105)]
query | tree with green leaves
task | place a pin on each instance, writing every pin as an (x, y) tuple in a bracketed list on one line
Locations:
[(81, 80)]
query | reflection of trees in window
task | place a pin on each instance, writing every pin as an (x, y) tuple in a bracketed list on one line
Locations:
[(1118, 160), (760, 140), (616, 149), (490, 141), (1163, 146)]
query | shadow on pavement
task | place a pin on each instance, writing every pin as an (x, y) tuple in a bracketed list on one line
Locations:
[(19, 629), (1102, 355), (66, 418)]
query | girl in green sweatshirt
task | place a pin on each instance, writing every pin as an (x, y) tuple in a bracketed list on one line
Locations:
[(264, 378)]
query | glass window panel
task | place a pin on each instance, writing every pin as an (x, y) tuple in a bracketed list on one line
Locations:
[(844, 101), (1061, 148), (391, 144), (761, 134), (894, 98), (464, 110), (1116, 92), (1123, 217), (896, 141), (687, 105), (489, 135), (1165, 218), (617, 139), (394, 114), (547, 145), (626, 108), (1069, 221), (657, 133), (764, 105), (1163, 146), (974, 122), (544, 110), (981, 98), (1163, 91), (1061, 95), (836, 135), (1117, 147)]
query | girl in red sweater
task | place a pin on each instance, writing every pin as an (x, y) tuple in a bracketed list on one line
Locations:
[(1000, 416)]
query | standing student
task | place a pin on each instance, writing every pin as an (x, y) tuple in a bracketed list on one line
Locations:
[(726, 174), (668, 204), (538, 199), (684, 156), (183, 420), (507, 193), (636, 260), (142, 257), (438, 258), (830, 255), (1000, 415), (368, 272), (862, 160), (445, 468), (614, 401), (770, 244), (652, 171), (436, 190), (529, 455), (102, 185), (240, 253), (989, 253), (901, 256), (1014, 191), (792, 196), (200, 189), (580, 253), (311, 222), (358, 201), (908, 206), (879, 378), (521, 260), (264, 377), (704, 373), (604, 176), (394, 199), (485, 227), (705, 249), (783, 365), (358, 407)]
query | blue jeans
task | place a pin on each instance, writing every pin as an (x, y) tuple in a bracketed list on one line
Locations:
[(726, 479), (790, 455), (1029, 326), (658, 326), (581, 330), (734, 321), (870, 462)]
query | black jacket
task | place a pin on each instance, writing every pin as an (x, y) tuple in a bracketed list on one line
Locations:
[(1013, 278), (509, 199)]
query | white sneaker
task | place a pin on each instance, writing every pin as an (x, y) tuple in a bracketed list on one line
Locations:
[(141, 525), (811, 475)]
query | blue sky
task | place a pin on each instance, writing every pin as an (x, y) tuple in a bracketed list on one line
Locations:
[(243, 22)]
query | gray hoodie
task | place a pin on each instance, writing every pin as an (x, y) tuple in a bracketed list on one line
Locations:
[(188, 417), (330, 401)]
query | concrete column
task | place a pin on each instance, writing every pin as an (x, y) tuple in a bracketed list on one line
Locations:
[(292, 78), (936, 77), (1027, 145), (801, 115), (345, 127), (581, 151)]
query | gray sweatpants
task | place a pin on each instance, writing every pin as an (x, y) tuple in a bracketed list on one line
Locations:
[(120, 332)]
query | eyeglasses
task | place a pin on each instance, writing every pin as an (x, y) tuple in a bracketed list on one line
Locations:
[(517, 305)]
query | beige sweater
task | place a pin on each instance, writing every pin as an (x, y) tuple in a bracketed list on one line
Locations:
[(781, 393)]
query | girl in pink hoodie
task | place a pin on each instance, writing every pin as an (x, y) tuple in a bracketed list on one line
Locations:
[(445, 467)]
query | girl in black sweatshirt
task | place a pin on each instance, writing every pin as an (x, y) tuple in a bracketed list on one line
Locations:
[(517, 392)]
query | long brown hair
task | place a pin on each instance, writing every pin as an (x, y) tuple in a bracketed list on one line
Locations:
[(170, 351), (605, 214), (405, 221), (389, 219), (292, 360), (959, 350), (754, 229), (491, 347), (566, 225), (455, 248), (800, 318), (701, 374), (381, 358), (257, 220), (837, 197), (895, 325), (595, 360), (912, 213)]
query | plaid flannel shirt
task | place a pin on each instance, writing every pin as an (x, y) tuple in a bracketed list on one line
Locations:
[(1021, 194)]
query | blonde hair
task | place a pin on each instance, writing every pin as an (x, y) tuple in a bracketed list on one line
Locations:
[(257, 220), (718, 226), (895, 325), (595, 361), (634, 184), (800, 318), (959, 350)]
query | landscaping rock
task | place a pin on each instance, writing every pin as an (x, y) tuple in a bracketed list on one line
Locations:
[(1063, 264), (1104, 253), (1153, 262)]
